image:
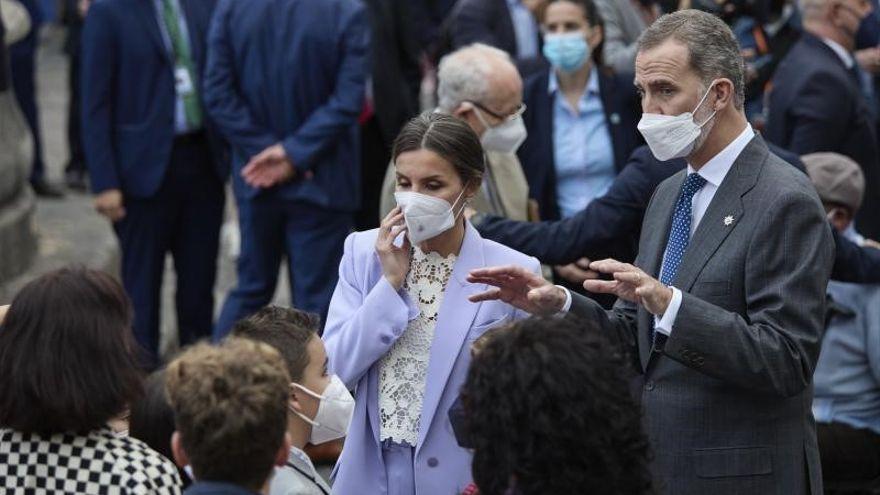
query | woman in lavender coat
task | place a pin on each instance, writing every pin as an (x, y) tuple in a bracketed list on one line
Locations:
[(400, 325)]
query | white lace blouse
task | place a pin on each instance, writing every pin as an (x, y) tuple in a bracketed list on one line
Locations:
[(403, 370)]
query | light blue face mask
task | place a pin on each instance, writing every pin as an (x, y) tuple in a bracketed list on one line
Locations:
[(567, 52)]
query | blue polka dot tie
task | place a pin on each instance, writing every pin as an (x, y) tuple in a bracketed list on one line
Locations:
[(680, 233)]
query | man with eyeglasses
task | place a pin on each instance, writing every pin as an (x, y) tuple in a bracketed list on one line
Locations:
[(480, 85)]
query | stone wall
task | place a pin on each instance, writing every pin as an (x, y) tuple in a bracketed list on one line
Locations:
[(18, 241)]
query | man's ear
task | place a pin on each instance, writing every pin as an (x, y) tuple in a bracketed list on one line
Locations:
[(462, 109), (283, 451), (293, 402), (724, 92), (180, 457)]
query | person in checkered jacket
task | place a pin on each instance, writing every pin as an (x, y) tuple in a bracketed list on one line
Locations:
[(67, 366)]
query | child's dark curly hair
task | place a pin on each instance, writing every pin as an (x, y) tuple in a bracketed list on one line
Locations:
[(549, 411)]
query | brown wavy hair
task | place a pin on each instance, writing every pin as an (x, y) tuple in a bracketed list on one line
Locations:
[(230, 409)]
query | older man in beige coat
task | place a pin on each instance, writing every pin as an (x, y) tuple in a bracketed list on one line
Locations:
[(480, 85)]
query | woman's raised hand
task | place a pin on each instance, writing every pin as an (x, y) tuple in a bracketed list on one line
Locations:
[(395, 260)]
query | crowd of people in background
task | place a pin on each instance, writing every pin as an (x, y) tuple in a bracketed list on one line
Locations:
[(440, 179)]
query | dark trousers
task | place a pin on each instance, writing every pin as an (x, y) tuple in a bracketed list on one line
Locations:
[(22, 62), (77, 160), (312, 239), (182, 218), (850, 458)]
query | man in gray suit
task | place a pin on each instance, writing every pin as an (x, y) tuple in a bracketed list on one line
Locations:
[(723, 308)]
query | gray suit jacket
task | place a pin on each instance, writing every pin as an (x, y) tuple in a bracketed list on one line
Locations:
[(727, 398)]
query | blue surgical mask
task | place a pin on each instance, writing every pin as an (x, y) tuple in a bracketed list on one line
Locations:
[(567, 52)]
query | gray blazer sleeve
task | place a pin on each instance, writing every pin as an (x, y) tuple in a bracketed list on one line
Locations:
[(620, 324), (775, 348)]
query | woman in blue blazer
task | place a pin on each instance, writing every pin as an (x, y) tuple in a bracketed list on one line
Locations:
[(581, 117), (400, 324)]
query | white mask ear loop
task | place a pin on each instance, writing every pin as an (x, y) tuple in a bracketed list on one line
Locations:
[(701, 104), (455, 215)]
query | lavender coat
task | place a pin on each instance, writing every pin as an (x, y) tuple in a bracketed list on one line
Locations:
[(366, 317)]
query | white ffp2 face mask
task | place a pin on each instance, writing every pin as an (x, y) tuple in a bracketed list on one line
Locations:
[(426, 216), (335, 410), (503, 138), (673, 136)]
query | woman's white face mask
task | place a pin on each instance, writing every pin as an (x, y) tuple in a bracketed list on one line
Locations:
[(426, 216), (673, 136)]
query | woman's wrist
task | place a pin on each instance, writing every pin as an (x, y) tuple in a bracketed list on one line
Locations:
[(396, 282)]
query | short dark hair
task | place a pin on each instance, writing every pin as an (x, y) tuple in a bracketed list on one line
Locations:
[(449, 137), (288, 330), (67, 357), (151, 418), (594, 19), (230, 409), (548, 408)]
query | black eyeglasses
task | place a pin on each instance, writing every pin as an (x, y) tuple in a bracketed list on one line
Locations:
[(516, 113)]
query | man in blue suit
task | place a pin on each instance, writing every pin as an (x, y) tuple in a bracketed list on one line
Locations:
[(285, 84), (817, 103), (155, 166), (22, 61)]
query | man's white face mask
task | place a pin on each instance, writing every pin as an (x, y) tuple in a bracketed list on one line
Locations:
[(505, 137), (335, 409), (673, 136)]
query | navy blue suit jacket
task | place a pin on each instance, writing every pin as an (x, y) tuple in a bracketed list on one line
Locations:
[(128, 94), (853, 263), (483, 21), (622, 114), (292, 72), (816, 105), (608, 227)]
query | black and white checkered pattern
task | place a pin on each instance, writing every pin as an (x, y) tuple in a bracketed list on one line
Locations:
[(95, 464)]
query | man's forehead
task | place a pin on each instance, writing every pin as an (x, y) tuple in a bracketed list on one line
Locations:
[(669, 60)]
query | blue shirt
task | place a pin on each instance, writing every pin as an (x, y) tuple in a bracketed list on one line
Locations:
[(180, 124), (847, 377), (582, 148), (525, 28)]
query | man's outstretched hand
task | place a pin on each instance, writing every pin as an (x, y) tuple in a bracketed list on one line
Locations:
[(630, 284), (268, 168), (520, 288)]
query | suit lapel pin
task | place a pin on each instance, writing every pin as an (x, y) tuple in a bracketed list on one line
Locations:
[(728, 220), (614, 118)]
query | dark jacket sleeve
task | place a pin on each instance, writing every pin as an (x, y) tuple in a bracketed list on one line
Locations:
[(324, 126), (222, 96), (619, 324), (473, 21), (855, 264), (99, 66), (608, 222), (820, 114)]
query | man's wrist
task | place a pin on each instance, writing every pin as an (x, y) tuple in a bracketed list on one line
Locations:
[(668, 294), (566, 304)]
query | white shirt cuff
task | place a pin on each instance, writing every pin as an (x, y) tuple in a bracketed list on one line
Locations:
[(664, 323), (567, 305)]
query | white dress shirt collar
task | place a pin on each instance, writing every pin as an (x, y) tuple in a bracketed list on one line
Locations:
[(841, 52), (715, 170)]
